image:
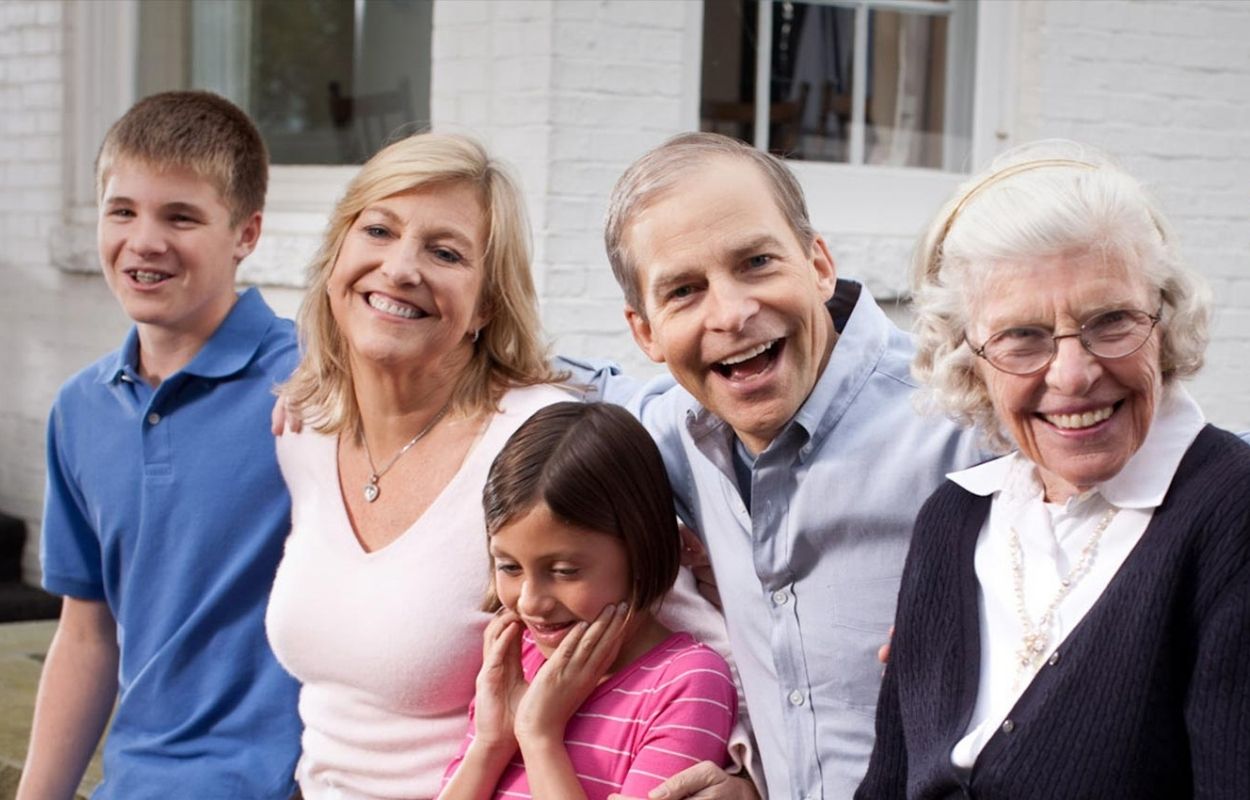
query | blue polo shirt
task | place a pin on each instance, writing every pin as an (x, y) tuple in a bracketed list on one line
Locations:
[(167, 504)]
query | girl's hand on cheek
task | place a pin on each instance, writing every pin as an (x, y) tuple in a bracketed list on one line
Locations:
[(570, 675), (500, 683)]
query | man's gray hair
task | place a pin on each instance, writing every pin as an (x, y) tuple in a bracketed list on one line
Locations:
[(659, 170)]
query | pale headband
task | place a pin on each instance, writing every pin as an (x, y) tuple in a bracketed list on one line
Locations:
[(1003, 174)]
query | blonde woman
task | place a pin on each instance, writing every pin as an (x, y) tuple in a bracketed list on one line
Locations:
[(421, 356)]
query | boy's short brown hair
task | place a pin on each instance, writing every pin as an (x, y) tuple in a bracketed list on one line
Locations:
[(194, 130), (595, 467)]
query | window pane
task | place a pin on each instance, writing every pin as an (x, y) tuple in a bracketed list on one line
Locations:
[(327, 81), (909, 119), (918, 81)]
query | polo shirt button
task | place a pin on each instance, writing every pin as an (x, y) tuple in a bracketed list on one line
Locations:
[(780, 597), (1008, 726), (154, 418), (796, 698), (1054, 658)]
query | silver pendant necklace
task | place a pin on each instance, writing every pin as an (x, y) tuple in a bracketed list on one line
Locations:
[(371, 490), (1036, 636)]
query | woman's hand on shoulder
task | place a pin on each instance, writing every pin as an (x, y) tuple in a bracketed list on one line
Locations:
[(500, 682), (571, 674)]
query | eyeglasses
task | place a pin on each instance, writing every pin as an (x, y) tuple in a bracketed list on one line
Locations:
[(1028, 349)]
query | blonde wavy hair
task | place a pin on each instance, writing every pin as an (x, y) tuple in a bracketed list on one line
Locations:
[(1041, 200), (509, 351)]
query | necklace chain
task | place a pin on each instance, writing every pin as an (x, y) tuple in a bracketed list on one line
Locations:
[(371, 490), (1036, 637)]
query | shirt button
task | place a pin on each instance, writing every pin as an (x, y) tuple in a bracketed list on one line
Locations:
[(1008, 726), (780, 597), (1054, 658), (796, 698), (154, 418)]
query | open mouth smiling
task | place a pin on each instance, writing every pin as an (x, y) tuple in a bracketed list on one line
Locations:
[(393, 307), (147, 277), (1085, 419), (749, 362), (549, 634)]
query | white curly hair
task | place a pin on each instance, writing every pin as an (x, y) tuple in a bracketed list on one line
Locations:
[(1039, 200)]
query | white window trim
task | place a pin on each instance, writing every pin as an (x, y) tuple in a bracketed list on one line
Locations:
[(101, 43)]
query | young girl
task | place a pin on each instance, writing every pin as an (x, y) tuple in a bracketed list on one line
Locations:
[(582, 692)]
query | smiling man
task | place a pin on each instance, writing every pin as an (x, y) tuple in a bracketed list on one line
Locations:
[(791, 441)]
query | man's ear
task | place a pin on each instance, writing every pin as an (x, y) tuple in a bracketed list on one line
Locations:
[(826, 270), (641, 329), (247, 235)]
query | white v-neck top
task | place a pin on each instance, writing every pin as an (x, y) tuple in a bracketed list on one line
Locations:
[(1052, 537), (387, 643)]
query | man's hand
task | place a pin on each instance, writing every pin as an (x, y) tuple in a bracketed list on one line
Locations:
[(703, 781)]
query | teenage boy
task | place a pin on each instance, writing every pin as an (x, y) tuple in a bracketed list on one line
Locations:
[(165, 512)]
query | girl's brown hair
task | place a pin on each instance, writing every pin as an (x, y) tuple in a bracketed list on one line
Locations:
[(595, 467)]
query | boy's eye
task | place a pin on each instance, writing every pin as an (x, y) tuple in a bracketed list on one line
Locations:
[(123, 213), (759, 261), (681, 292)]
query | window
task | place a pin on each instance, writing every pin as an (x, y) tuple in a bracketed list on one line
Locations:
[(880, 106), (884, 82), (327, 81)]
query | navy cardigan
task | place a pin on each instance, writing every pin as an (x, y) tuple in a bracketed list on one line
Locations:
[(1148, 697)]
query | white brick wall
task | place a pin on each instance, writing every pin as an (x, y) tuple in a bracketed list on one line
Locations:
[(570, 92)]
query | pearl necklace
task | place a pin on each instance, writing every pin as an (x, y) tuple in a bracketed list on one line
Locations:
[(371, 490), (1036, 637)]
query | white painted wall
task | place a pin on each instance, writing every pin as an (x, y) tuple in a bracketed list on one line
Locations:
[(572, 92)]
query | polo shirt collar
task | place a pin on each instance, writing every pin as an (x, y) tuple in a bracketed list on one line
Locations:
[(227, 351), (125, 362), (1145, 478)]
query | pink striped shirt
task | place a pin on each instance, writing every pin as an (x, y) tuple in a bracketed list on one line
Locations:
[(669, 710)]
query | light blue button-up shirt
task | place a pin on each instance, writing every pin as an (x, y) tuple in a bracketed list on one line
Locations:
[(809, 577)]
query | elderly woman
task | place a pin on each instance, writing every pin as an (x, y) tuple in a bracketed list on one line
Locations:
[(1074, 618), (421, 357)]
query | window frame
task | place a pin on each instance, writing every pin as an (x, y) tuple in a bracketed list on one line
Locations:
[(851, 198)]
